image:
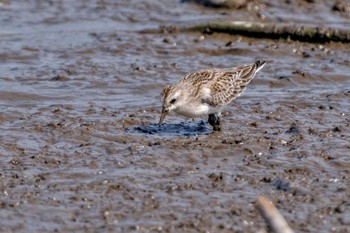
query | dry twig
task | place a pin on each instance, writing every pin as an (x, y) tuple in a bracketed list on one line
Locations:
[(271, 215)]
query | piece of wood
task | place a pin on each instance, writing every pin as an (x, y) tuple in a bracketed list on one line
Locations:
[(311, 34), (272, 216), (276, 31)]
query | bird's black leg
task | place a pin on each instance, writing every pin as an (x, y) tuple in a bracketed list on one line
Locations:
[(214, 120)]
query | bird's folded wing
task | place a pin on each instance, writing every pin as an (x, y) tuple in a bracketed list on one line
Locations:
[(229, 84)]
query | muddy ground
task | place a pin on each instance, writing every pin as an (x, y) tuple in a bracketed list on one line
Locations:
[(79, 97)]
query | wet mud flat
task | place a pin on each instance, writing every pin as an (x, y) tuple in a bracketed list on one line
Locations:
[(73, 165), (80, 150)]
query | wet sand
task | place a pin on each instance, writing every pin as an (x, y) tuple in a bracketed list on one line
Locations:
[(79, 100)]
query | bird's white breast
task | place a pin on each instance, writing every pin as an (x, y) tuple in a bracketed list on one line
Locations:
[(197, 110)]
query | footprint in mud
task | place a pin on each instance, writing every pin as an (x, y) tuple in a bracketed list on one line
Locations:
[(182, 129)]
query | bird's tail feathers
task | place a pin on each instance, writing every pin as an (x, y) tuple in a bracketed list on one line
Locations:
[(259, 65)]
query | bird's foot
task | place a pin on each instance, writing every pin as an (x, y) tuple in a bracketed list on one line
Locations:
[(214, 120), (217, 127)]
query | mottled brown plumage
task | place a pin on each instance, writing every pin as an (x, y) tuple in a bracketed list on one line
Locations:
[(208, 91)]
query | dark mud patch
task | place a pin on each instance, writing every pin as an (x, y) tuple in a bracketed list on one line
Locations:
[(173, 130)]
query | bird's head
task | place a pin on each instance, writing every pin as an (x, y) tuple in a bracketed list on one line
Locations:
[(171, 100)]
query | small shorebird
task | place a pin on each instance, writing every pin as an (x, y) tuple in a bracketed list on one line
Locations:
[(207, 92)]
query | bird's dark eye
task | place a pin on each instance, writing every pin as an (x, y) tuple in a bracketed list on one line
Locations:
[(172, 101)]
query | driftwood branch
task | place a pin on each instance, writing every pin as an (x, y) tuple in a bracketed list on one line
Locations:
[(271, 215), (272, 31), (265, 30)]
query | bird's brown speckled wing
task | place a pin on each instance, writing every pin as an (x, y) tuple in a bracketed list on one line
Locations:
[(230, 83), (198, 78)]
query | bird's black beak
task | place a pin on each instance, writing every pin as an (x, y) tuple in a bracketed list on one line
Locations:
[(162, 116)]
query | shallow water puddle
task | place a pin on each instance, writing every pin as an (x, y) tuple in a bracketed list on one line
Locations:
[(182, 129)]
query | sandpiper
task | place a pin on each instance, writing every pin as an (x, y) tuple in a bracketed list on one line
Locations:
[(207, 92)]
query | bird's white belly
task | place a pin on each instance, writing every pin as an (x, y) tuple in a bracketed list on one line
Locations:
[(197, 111)]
